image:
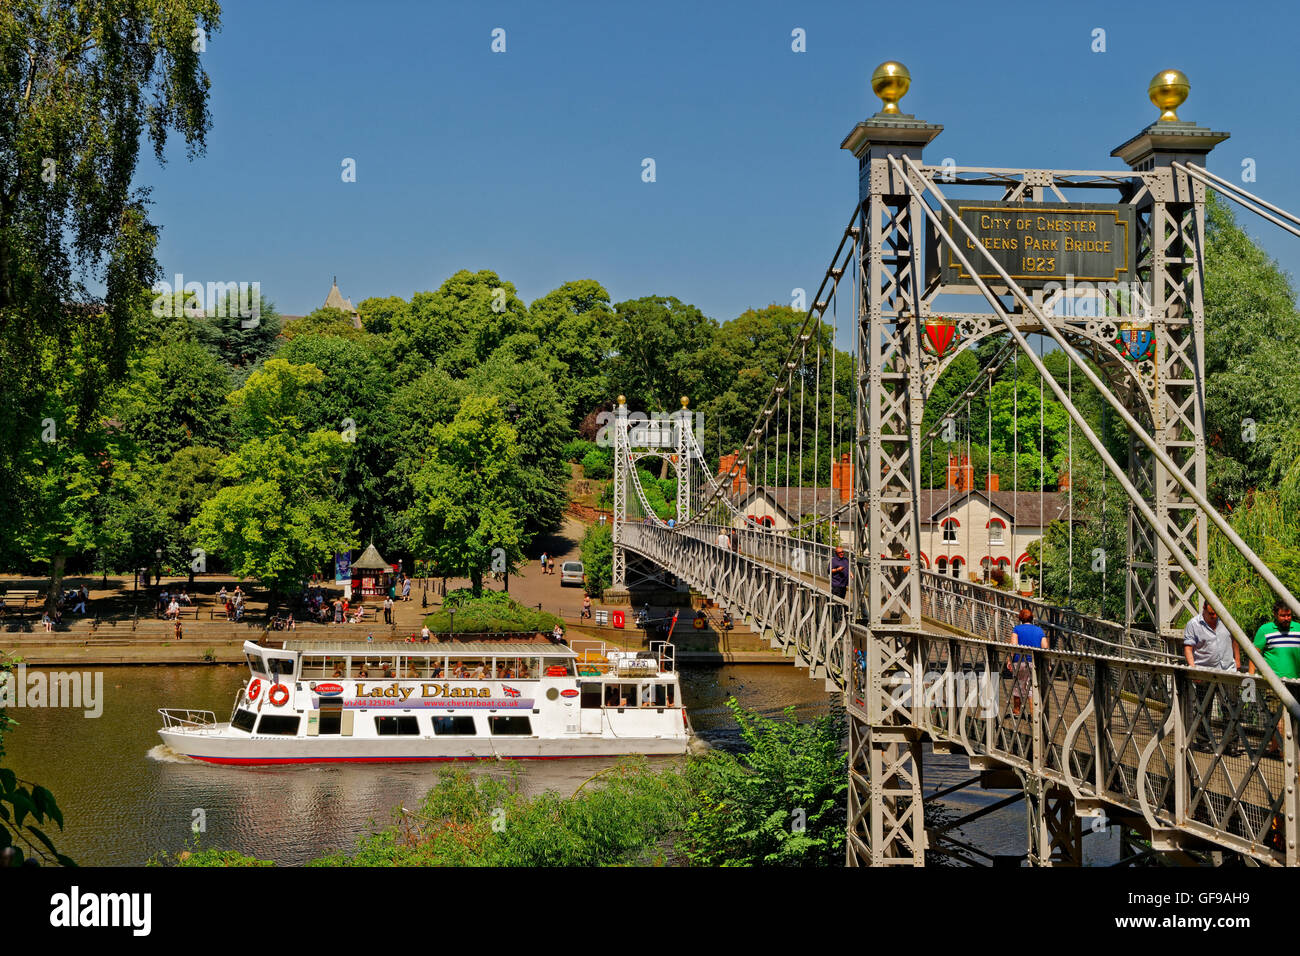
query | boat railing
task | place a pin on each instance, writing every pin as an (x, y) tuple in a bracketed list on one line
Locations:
[(180, 719), (666, 653)]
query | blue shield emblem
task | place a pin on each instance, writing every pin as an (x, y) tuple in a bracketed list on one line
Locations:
[(1138, 344)]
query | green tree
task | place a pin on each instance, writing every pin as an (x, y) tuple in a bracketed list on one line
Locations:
[(174, 397), (459, 325), (574, 325), (464, 515), (659, 342), (1251, 352), (240, 337), (323, 321), (597, 554), (278, 519), (80, 86), (378, 315), (783, 802)]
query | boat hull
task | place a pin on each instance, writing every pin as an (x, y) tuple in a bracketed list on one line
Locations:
[(246, 751)]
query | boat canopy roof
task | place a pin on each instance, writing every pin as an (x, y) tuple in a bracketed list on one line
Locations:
[(516, 648)]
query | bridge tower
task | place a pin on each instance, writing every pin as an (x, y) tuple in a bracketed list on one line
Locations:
[(901, 272), (886, 825)]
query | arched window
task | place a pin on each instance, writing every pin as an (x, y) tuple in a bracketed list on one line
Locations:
[(950, 526), (955, 563), (1022, 559), (996, 527), (941, 564), (925, 562)]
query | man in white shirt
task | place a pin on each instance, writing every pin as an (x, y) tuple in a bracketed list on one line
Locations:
[(1207, 645)]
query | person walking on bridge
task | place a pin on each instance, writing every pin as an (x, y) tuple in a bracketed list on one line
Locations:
[(1207, 645), (1025, 634), (839, 573), (1280, 645)]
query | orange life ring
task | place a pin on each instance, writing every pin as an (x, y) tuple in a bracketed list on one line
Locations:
[(254, 688), (280, 691)]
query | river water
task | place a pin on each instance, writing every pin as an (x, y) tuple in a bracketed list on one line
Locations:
[(126, 798)]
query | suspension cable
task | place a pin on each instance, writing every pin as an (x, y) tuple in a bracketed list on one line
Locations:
[(1135, 427), (1190, 569)]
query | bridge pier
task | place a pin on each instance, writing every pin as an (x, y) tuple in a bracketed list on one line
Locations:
[(1055, 830), (886, 825)]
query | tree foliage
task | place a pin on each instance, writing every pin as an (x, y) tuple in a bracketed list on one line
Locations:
[(465, 507), (783, 802)]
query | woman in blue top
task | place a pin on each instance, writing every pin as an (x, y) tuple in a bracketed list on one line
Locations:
[(1027, 634)]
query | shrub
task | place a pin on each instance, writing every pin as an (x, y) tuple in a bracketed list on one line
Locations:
[(578, 449), (598, 558), (783, 803), (597, 463)]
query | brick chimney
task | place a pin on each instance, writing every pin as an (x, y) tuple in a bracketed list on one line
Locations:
[(961, 473), (1063, 481), (740, 483), (991, 483), (842, 478)]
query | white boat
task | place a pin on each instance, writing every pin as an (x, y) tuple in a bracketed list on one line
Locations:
[(531, 698)]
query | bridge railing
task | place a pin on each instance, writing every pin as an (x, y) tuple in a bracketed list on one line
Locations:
[(988, 611), (978, 609), (1187, 749)]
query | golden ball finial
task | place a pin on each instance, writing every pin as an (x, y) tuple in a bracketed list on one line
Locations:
[(622, 399), (1168, 89), (685, 401), (890, 82)]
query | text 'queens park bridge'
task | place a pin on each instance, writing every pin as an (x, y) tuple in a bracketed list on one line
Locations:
[(1022, 268)]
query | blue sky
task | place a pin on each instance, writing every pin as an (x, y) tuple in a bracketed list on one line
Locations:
[(529, 162)]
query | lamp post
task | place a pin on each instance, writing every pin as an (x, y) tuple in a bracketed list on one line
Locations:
[(157, 553)]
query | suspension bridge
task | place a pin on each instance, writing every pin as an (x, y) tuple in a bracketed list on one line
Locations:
[(1115, 729)]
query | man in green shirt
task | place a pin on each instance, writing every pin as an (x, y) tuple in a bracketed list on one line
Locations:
[(1280, 646)]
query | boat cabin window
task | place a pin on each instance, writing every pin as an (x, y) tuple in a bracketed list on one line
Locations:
[(454, 726), (255, 662), (591, 694), (281, 667), (372, 668), (283, 724), (663, 695), (510, 726), (396, 726), (558, 667), (510, 668), (244, 720), (469, 668), (413, 667), (323, 665), (621, 695)]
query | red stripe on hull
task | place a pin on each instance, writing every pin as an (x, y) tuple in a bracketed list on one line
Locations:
[(280, 760)]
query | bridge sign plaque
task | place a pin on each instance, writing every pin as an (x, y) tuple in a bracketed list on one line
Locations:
[(1042, 242)]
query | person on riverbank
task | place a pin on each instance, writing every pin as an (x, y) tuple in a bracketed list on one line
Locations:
[(388, 610), (406, 590), (586, 606), (82, 596), (724, 539)]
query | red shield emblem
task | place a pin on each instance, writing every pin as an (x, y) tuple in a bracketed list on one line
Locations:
[(940, 336)]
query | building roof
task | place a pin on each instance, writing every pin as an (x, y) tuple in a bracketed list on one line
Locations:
[(509, 644), (335, 299), (1024, 507), (371, 561), (933, 502)]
